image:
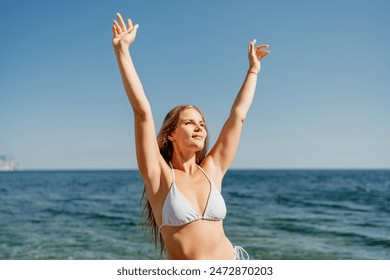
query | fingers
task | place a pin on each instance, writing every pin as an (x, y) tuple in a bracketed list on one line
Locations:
[(252, 46), (262, 46), (131, 27), (261, 54), (135, 28), (121, 22), (117, 27), (130, 24), (120, 27), (114, 31)]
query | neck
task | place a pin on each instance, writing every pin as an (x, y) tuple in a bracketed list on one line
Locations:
[(186, 164)]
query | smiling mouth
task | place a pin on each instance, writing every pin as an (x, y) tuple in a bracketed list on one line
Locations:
[(197, 137)]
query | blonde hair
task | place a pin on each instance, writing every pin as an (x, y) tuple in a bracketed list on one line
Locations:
[(166, 150)]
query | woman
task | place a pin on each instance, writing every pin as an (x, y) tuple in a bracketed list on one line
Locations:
[(182, 183)]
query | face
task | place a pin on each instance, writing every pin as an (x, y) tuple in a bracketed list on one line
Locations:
[(190, 132)]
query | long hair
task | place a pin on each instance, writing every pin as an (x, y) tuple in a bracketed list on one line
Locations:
[(166, 149)]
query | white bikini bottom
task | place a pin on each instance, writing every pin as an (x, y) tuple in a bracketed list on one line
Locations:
[(240, 253)]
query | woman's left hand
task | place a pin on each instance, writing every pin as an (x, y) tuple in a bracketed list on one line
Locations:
[(255, 54)]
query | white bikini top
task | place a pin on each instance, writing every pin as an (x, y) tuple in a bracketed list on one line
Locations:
[(177, 210)]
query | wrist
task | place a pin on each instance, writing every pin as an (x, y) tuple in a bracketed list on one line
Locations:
[(254, 71), (120, 50)]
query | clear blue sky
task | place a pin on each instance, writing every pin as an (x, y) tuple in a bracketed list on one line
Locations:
[(323, 98)]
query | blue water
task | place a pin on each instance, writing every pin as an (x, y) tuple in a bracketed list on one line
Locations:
[(274, 214)]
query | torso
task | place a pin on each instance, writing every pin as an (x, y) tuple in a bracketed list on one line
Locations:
[(200, 239)]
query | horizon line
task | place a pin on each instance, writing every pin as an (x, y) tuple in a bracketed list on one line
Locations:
[(230, 169)]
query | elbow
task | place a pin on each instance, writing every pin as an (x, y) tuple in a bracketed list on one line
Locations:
[(142, 113), (238, 114), (139, 115)]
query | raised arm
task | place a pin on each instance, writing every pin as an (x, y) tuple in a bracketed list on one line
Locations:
[(225, 148), (148, 154)]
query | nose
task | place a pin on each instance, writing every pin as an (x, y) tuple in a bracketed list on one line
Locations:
[(198, 127)]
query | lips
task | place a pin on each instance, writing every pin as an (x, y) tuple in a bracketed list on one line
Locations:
[(199, 137)]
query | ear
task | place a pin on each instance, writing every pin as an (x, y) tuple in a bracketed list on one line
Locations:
[(170, 137)]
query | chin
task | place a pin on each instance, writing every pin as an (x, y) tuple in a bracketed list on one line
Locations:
[(199, 147)]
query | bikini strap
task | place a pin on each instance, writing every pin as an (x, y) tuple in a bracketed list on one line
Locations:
[(204, 172), (173, 173), (240, 253)]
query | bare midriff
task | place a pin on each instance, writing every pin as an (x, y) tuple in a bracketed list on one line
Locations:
[(199, 240)]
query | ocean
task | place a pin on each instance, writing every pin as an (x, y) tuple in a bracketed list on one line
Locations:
[(273, 214)]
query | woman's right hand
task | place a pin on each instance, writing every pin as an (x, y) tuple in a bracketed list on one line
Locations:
[(123, 36)]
